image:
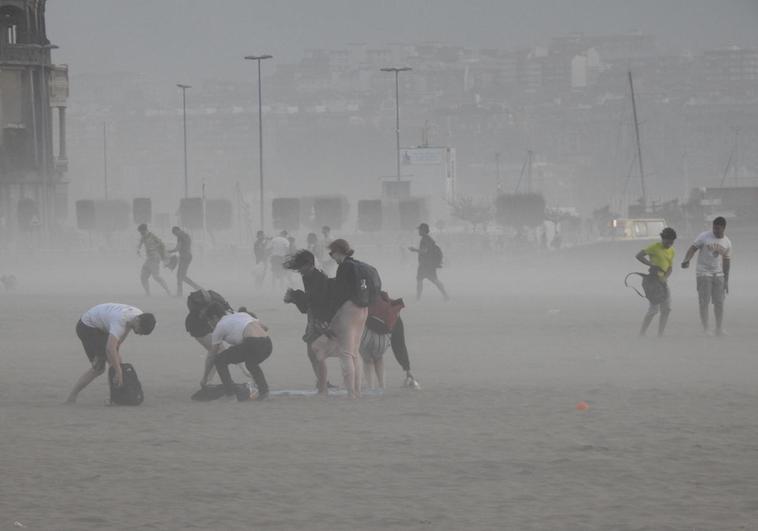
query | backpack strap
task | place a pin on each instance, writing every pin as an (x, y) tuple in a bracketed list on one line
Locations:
[(626, 283)]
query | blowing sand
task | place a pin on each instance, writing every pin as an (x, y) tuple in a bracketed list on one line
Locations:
[(492, 441)]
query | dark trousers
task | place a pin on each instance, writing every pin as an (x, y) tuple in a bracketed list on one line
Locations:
[(252, 351), (399, 348)]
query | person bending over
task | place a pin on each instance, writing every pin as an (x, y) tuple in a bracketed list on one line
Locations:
[(249, 344), (102, 329)]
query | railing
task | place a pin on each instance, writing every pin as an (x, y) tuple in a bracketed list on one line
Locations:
[(26, 54)]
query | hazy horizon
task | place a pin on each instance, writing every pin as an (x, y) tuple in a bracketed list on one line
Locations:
[(183, 39)]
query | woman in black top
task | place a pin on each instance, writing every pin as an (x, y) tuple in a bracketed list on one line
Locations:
[(346, 327)]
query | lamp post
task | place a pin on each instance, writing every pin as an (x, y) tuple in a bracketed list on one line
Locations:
[(105, 160), (184, 115), (397, 71), (260, 58)]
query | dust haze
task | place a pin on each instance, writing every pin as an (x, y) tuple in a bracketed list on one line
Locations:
[(544, 143)]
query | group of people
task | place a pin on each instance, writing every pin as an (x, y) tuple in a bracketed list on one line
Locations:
[(714, 256), (156, 255), (348, 316)]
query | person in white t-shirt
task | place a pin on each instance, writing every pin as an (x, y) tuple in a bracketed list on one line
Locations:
[(712, 271), (250, 343), (280, 248), (102, 329)]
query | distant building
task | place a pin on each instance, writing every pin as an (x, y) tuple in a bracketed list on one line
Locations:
[(33, 193), (734, 67)]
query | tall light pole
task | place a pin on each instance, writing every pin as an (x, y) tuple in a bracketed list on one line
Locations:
[(260, 58), (105, 160), (184, 115), (397, 109)]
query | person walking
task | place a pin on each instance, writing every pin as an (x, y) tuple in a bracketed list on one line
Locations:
[(429, 261), (280, 249), (712, 272), (659, 257), (184, 250), (155, 253)]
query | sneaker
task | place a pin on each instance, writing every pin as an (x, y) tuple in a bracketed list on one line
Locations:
[(411, 382), (722, 333)]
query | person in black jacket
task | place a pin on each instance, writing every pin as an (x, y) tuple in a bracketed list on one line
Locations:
[(313, 300)]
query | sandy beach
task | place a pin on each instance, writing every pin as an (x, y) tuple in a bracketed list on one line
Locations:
[(492, 441)]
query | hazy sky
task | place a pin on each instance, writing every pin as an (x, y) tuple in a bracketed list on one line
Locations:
[(191, 39)]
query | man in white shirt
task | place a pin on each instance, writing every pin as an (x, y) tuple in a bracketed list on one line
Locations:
[(102, 329), (249, 343), (280, 248), (712, 271)]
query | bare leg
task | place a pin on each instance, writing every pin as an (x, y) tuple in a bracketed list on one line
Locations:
[(367, 378), (379, 368), (159, 279), (358, 375), (718, 311), (419, 289), (441, 287), (704, 315), (145, 279), (191, 283), (665, 311), (84, 381), (321, 378), (651, 313), (348, 373), (704, 299), (313, 360)]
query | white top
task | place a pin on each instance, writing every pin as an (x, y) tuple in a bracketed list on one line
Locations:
[(280, 246), (111, 317), (710, 260), (231, 328)]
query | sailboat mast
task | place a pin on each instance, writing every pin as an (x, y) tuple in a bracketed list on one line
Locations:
[(639, 146)]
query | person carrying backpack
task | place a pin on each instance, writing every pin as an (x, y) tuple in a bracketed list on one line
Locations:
[(102, 329), (429, 261), (355, 287)]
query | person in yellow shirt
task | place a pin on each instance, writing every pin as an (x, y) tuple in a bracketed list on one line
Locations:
[(659, 257)]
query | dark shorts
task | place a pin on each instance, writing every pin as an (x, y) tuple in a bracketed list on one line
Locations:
[(196, 325), (94, 342), (426, 272)]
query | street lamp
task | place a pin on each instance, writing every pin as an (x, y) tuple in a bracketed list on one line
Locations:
[(397, 108), (184, 114), (260, 58)]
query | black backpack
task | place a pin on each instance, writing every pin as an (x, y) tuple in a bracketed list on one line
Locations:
[(200, 299), (368, 284), (435, 255), (130, 392)]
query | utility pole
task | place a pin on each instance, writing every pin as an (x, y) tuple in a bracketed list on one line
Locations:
[(499, 183), (397, 108), (105, 160), (184, 115), (260, 58), (639, 145)]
